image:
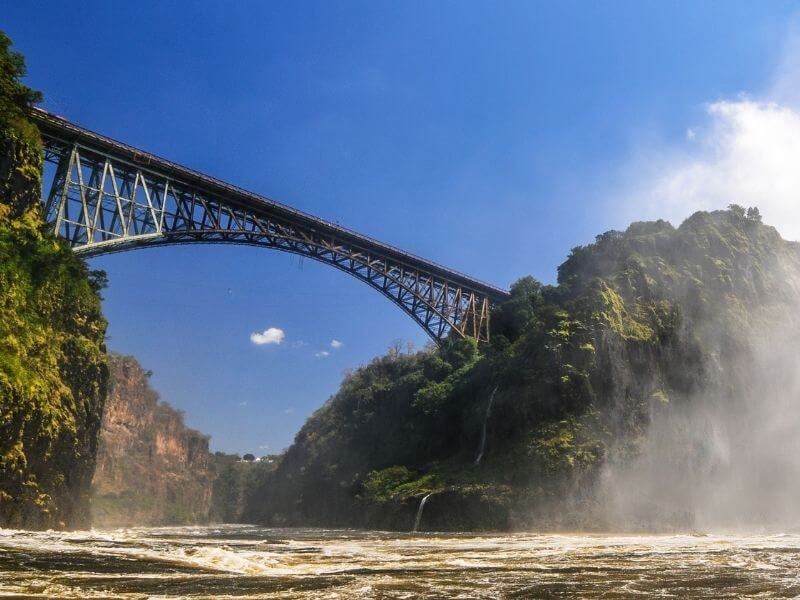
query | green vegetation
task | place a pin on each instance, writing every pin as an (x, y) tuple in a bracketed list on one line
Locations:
[(52, 358), (639, 321), (398, 483), (232, 478)]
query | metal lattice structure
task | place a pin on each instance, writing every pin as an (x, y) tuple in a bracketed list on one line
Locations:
[(108, 197)]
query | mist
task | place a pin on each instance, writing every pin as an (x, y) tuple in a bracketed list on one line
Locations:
[(727, 456)]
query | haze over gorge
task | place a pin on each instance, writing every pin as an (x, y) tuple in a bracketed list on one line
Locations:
[(629, 428)]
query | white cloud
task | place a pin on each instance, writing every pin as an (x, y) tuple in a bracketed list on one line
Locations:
[(273, 335), (288, 411), (747, 152), (336, 344), (299, 344), (322, 354), (243, 403)]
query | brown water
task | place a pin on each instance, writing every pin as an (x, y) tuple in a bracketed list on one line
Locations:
[(252, 562)]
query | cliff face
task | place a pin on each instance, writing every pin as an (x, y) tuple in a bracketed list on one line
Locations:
[(151, 469), (52, 357), (653, 388)]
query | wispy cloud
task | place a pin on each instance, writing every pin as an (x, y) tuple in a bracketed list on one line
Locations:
[(299, 344), (336, 344), (322, 354), (243, 403), (273, 335), (746, 152), (288, 411)]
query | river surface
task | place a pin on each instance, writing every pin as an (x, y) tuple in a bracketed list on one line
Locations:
[(253, 562)]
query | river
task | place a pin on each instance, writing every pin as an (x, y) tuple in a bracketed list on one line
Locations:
[(252, 562)]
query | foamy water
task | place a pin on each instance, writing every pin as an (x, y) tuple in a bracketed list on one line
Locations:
[(253, 562)]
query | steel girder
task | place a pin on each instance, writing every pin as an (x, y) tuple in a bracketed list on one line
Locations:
[(108, 197)]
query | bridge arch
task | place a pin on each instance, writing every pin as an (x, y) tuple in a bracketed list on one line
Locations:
[(108, 197)]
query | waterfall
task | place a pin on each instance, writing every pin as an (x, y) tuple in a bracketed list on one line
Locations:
[(419, 511), (482, 445)]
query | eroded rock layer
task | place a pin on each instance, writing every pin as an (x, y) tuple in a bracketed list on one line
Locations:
[(151, 468)]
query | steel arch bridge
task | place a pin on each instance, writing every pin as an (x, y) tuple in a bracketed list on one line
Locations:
[(109, 197)]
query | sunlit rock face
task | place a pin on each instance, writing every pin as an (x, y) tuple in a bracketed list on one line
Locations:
[(151, 468)]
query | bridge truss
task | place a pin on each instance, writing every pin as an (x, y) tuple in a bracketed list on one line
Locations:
[(109, 197)]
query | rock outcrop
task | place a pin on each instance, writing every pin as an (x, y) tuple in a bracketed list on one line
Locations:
[(151, 468)]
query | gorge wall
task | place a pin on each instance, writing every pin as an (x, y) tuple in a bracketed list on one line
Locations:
[(653, 388), (151, 468), (52, 356), (233, 480)]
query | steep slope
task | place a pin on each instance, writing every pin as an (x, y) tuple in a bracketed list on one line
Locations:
[(151, 468), (605, 391), (52, 358)]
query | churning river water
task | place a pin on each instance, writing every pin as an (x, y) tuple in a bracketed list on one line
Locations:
[(254, 562)]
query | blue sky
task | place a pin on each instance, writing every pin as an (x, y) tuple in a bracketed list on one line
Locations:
[(489, 137)]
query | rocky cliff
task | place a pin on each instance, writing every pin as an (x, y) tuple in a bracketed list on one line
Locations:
[(654, 387), (151, 468), (52, 357)]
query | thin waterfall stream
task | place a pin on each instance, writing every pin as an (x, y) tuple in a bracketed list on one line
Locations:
[(419, 512), (486, 416)]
